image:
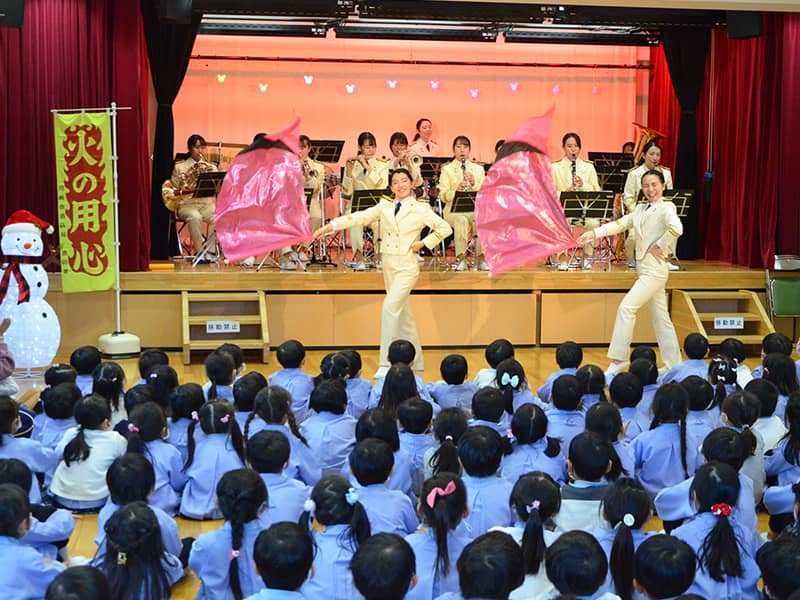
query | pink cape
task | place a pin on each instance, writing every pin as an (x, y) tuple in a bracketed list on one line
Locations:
[(261, 206), (517, 213)]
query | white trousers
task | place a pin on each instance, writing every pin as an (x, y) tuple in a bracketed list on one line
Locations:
[(400, 274), (196, 211), (648, 289), (463, 225)]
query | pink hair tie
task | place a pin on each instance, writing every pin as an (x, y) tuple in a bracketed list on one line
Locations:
[(225, 418), (430, 499), (195, 416), (722, 509), (235, 554), (533, 506), (133, 428)]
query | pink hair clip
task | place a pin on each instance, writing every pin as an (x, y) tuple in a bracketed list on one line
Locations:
[(225, 418), (133, 428), (430, 499), (195, 416)]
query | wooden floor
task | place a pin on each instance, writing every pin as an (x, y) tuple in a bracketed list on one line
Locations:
[(538, 364)]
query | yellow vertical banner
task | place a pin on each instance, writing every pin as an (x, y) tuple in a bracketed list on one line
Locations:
[(84, 180)]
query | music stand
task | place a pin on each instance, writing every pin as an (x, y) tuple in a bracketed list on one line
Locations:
[(581, 206), (362, 200), (432, 165), (612, 169), (208, 185), (326, 151)]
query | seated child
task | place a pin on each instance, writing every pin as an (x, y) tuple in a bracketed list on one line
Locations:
[(565, 419), (292, 356), (400, 351), (415, 418), (569, 357), (283, 555), (495, 353), (626, 393), (663, 567), (695, 348), (453, 391), (85, 360), (383, 568), (576, 564)]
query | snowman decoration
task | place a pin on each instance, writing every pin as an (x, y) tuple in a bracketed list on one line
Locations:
[(35, 334)]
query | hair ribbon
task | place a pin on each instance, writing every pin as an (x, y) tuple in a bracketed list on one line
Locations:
[(722, 509), (509, 379), (195, 416), (533, 506), (351, 496), (225, 418), (133, 428), (122, 558), (430, 499)]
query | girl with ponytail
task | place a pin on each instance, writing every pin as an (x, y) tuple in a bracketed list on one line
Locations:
[(448, 428), (592, 380), (109, 382), (219, 451), (740, 411), (440, 540), (184, 400), (533, 449), (605, 420), (723, 377), (511, 381), (244, 395), (221, 372), (223, 559), (784, 461), (726, 552)]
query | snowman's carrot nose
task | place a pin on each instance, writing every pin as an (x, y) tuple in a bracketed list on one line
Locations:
[(27, 245)]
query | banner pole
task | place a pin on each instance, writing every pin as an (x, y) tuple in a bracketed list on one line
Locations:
[(115, 201)]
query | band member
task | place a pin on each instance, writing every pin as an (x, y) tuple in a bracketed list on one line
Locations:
[(363, 172), (401, 220), (460, 175), (177, 191), (403, 158), (423, 143)]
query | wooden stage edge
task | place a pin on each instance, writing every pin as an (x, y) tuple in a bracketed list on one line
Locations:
[(334, 307)]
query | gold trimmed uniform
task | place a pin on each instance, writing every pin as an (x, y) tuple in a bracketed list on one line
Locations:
[(376, 177), (450, 177), (194, 211)]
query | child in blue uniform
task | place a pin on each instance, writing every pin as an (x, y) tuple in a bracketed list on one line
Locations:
[(283, 555), (376, 423), (577, 565), (109, 382), (330, 431), (489, 410), (220, 450), (626, 393), (784, 461), (245, 389), (495, 353), (604, 420), (533, 449), (221, 373), (148, 359), (513, 384), (58, 403), (400, 352), (647, 372), (565, 419), (415, 417), (79, 582), (695, 348), (358, 389), (185, 400), (448, 428), (383, 568), (779, 562), (292, 356), (770, 426), (569, 357), (703, 416), (592, 380), (453, 391), (85, 360), (664, 567)]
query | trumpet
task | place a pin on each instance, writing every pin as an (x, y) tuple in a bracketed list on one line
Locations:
[(409, 158)]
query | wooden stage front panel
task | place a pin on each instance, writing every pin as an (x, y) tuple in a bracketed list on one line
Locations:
[(338, 308)]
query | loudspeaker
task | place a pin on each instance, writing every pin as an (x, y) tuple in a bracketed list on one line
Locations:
[(178, 12), (12, 13), (743, 25)]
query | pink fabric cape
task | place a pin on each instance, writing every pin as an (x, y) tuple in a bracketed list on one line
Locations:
[(261, 206)]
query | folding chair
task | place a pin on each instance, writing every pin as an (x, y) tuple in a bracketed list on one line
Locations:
[(783, 286)]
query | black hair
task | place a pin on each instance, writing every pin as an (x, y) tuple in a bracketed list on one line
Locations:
[(59, 373), (604, 420), (284, 554), (664, 566), (714, 484), (290, 354), (495, 553), (655, 173), (130, 478), (448, 428), (245, 389), (85, 359), (398, 386), (59, 401), (79, 583), (626, 506), (627, 144), (461, 139), (415, 415), (592, 380), (488, 405), (590, 455), (529, 425), (791, 451), (141, 393), (398, 136), (497, 351), (354, 360), (671, 405), (733, 348), (149, 358), (569, 355), (383, 567), (134, 554), (220, 370), (508, 148), (535, 498), (701, 394), (481, 451), (510, 377), (722, 372), (576, 564), (779, 562), (146, 423), (268, 451), (14, 509), (399, 171), (186, 399), (366, 137), (334, 365), (419, 124), (499, 144), (781, 370), (695, 345), (193, 139), (401, 351), (776, 342), (573, 135), (726, 446), (262, 142), (336, 503), (442, 512), (109, 382), (454, 369), (163, 379), (216, 416), (15, 471), (566, 392), (626, 390), (767, 394), (643, 351), (371, 461), (645, 369), (9, 411), (273, 404), (377, 423), (241, 494), (742, 410), (90, 413), (329, 396), (235, 352)]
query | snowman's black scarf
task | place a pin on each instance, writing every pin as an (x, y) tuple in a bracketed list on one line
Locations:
[(14, 261)]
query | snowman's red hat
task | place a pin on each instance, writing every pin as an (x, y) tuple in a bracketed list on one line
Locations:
[(25, 221)]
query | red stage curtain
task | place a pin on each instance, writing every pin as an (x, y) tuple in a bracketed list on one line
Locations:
[(663, 109), (73, 54), (788, 190)]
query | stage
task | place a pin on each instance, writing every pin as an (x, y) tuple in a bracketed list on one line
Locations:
[(336, 307)]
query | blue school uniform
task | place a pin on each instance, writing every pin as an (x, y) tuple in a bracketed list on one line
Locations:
[(457, 395), (415, 445), (778, 500), (303, 464), (38, 458), (538, 585), (179, 435), (332, 579), (299, 385), (626, 456), (170, 478), (487, 498), (43, 534), (358, 391), (224, 392), (589, 400), (49, 432), (565, 425), (241, 419), (605, 538), (276, 594), (422, 390), (694, 532), (85, 383), (776, 465), (210, 559), (400, 478), (430, 581), (645, 406), (544, 391), (331, 438), (213, 457), (636, 425), (531, 457), (286, 497), (486, 377), (580, 506), (169, 530), (526, 396), (26, 573), (699, 423), (691, 366), (389, 511), (780, 407), (658, 457)]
